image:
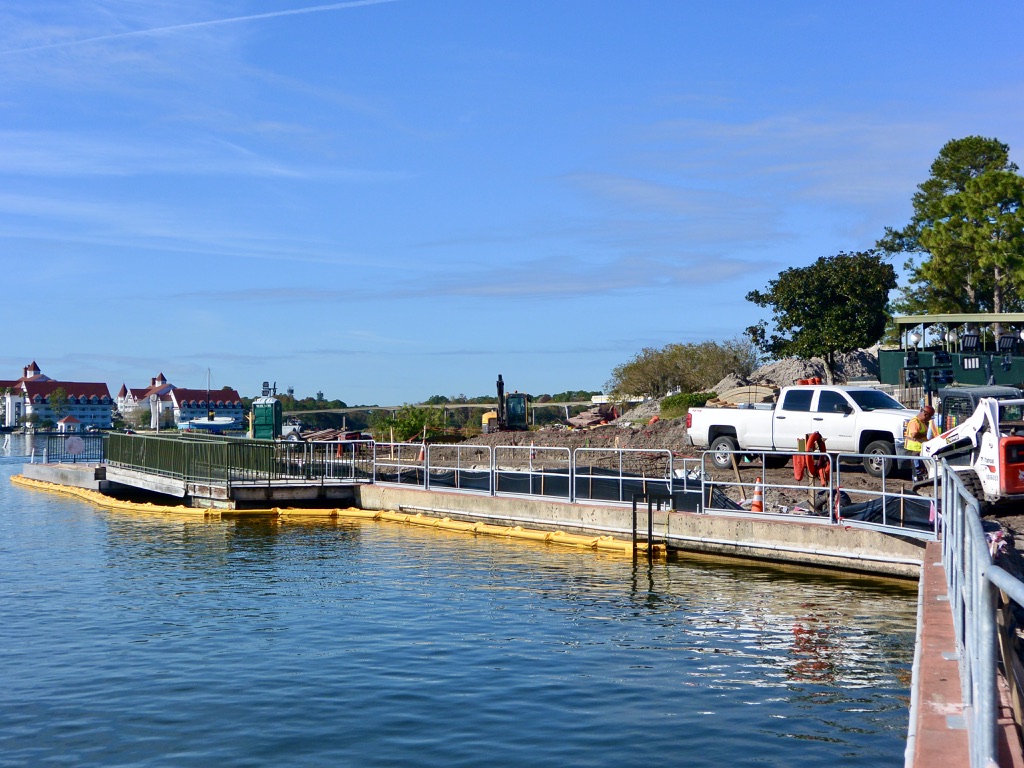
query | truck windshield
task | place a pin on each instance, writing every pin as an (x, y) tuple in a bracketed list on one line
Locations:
[(873, 399)]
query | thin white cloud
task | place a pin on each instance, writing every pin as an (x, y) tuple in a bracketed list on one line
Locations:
[(192, 25), (144, 228), (543, 279), (51, 153), (843, 159)]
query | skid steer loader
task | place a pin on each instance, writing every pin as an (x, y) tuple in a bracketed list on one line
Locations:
[(986, 450)]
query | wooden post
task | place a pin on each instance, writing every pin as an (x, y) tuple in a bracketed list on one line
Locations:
[(736, 471)]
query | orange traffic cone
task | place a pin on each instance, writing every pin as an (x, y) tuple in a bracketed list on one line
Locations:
[(757, 505)]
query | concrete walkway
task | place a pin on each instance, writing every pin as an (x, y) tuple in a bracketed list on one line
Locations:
[(939, 734)]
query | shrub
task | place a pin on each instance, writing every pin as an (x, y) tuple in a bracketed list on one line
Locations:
[(674, 406)]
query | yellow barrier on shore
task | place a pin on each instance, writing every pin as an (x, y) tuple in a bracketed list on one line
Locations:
[(603, 543)]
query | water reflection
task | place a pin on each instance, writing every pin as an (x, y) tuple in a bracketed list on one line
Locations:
[(150, 636)]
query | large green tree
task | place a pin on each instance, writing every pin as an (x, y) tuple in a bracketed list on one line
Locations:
[(986, 220), (58, 402), (963, 240), (836, 305), (408, 423), (686, 367)]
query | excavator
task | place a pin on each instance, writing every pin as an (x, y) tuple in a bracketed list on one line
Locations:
[(986, 450), (512, 414)]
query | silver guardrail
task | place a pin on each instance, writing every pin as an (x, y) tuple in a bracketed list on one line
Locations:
[(973, 580), (459, 467), (889, 507), (595, 475), (399, 463), (322, 461), (527, 470), (626, 471), (893, 503)]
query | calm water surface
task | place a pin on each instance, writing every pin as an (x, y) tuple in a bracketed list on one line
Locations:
[(134, 641)]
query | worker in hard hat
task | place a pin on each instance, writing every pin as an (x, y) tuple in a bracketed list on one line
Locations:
[(916, 433)]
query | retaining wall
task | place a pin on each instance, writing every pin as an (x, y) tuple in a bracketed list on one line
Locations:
[(785, 541)]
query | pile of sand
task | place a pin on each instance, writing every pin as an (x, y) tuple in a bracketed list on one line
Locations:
[(863, 363)]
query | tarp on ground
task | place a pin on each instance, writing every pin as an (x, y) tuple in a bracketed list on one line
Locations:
[(899, 511), (716, 499), (598, 485)]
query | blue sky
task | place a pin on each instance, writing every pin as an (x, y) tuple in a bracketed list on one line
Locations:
[(388, 200)]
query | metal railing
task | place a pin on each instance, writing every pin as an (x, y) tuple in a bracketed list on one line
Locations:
[(74, 448), (886, 508), (590, 475), (319, 462), (227, 460), (894, 507), (617, 474), (525, 470), (973, 581), (599, 475), (399, 463), (459, 467)]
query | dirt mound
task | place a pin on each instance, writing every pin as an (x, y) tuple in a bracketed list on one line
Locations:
[(640, 413), (669, 434), (860, 364), (730, 382)]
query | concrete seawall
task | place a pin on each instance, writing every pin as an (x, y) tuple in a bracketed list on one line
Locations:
[(784, 541)]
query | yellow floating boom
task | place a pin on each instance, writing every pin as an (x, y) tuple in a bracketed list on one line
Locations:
[(603, 543)]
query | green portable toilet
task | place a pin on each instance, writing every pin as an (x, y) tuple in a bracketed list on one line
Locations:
[(267, 418)]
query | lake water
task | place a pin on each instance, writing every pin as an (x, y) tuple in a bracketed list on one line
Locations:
[(135, 641)]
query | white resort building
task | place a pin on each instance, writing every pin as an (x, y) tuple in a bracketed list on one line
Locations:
[(176, 406), (196, 405), (28, 401), (82, 406), (140, 400)]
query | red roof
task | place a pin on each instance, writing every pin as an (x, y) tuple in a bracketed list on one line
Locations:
[(228, 396), (142, 393), (77, 389), (69, 419)]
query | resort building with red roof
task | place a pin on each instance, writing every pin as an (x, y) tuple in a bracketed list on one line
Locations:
[(30, 401)]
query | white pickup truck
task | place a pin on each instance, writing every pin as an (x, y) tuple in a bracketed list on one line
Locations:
[(851, 419)]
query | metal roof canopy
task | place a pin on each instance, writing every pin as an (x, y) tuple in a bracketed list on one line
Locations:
[(980, 318)]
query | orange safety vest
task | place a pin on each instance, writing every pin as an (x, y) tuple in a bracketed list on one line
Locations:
[(917, 431)]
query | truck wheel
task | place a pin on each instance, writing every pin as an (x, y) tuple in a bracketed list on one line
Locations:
[(720, 457), (874, 463)]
